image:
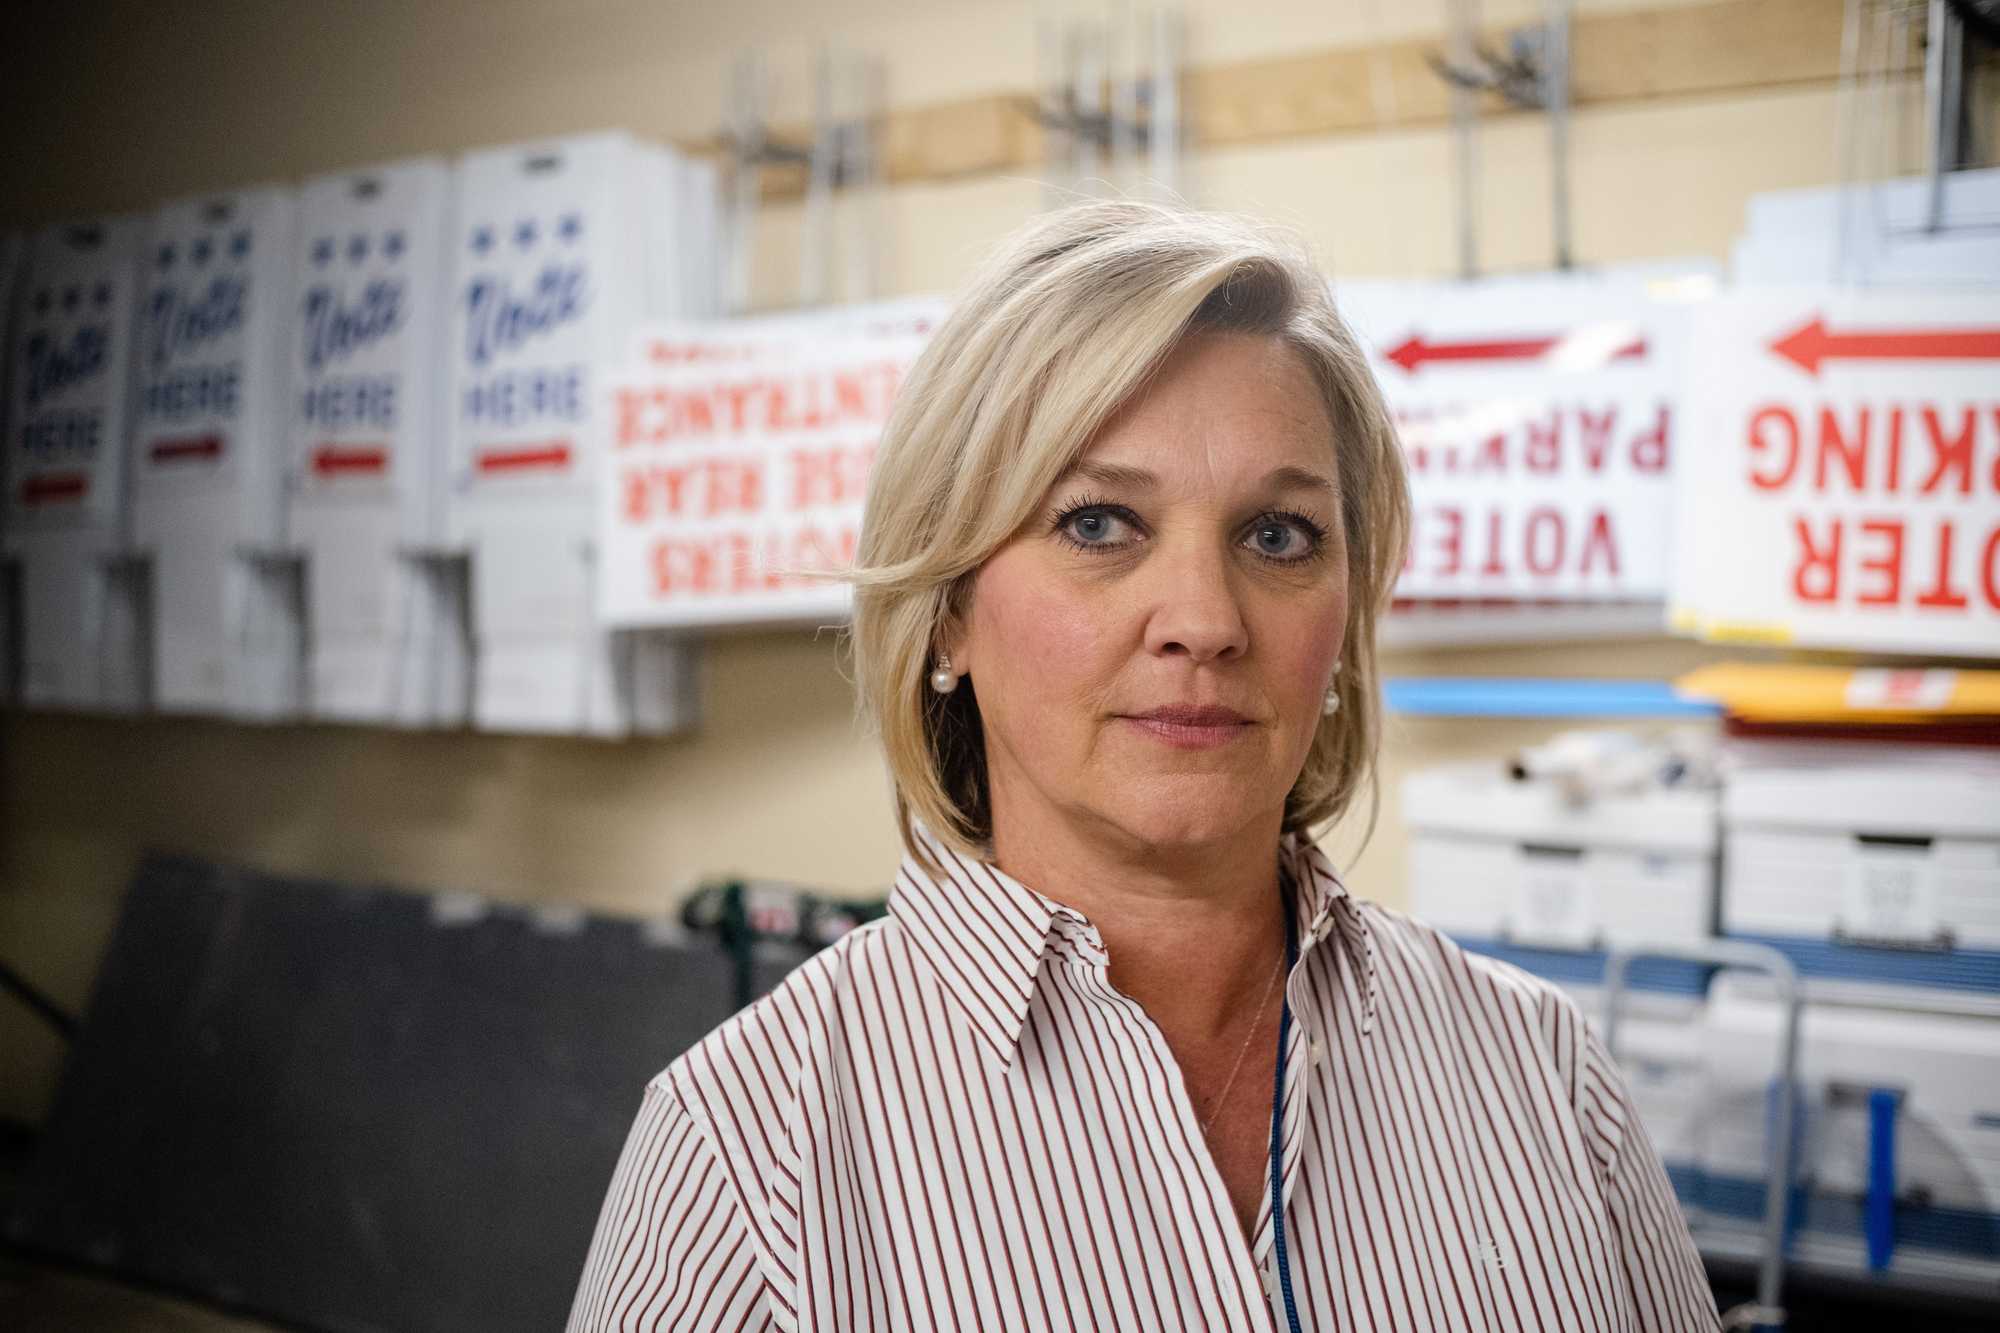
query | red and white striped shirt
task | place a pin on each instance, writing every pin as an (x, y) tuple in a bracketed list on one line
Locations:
[(951, 1120)]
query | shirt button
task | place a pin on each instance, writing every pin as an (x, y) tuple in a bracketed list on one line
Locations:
[(1314, 1051)]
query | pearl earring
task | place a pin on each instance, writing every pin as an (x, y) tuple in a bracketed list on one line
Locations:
[(1332, 704), (944, 680)]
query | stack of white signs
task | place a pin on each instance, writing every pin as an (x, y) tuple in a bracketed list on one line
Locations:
[(738, 459), (1538, 423), (1846, 491), (1875, 234), (1843, 484), (65, 525), (386, 625), (561, 249), (207, 453)]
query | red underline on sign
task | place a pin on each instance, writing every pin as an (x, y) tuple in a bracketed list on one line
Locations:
[(521, 460), (198, 446), (1413, 353), (327, 460), (1812, 344), (57, 486)]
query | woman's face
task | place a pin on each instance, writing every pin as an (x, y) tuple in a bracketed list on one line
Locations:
[(1151, 651)]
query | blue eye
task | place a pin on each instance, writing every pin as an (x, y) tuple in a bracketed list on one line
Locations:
[(1099, 527), (1096, 526), (1285, 538), (1278, 539)]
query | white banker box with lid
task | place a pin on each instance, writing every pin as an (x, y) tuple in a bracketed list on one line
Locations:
[(367, 448), (1513, 862), (1942, 1076), (65, 524), (1874, 865), (561, 248), (208, 444)]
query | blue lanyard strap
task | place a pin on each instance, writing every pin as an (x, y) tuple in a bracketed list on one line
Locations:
[(1278, 1122)]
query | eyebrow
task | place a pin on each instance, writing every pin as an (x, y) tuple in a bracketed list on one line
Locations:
[(1287, 478)]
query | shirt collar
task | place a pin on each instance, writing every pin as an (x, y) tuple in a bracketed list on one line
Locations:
[(986, 934)]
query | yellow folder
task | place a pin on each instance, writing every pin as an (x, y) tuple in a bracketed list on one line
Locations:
[(1757, 692)]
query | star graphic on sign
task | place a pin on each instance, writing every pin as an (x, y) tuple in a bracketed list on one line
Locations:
[(482, 240), (101, 295), (323, 250), (199, 251), (166, 256), (70, 297), (239, 245), (357, 248), (42, 302), (524, 233), (570, 227), (392, 244)]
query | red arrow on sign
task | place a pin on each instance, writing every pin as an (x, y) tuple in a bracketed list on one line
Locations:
[(54, 486), (198, 446), (554, 455), (1413, 352), (327, 461), (1809, 345)]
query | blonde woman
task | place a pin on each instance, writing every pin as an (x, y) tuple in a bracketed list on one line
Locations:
[(1126, 1053)]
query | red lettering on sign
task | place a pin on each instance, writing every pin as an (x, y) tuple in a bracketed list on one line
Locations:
[(1876, 562), (1949, 455), (741, 563), (1594, 436), (699, 488), (1542, 444), (1495, 564), (1492, 455), (1989, 570), (1599, 543), (1858, 449), (1649, 448), (829, 476), (1852, 450), (1889, 564), (1816, 576), (1546, 540), (1940, 594), (1450, 541), (809, 400), (1771, 428)]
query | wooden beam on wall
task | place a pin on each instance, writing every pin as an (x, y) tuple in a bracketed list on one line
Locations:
[(1730, 46)]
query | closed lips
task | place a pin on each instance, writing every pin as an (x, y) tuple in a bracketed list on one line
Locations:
[(1189, 715)]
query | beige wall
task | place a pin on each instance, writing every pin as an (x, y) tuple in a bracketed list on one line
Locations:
[(120, 104)]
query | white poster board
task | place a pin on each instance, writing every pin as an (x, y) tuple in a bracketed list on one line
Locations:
[(208, 447), (66, 517), (1538, 423), (367, 450), (1842, 488), (735, 482)]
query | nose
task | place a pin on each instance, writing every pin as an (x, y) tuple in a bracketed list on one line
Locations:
[(1195, 608)]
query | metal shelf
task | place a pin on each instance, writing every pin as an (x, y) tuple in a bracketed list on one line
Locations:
[(1476, 696), (1831, 1262)]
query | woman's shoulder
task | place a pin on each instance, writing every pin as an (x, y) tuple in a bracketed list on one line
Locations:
[(757, 1055), (1430, 967)]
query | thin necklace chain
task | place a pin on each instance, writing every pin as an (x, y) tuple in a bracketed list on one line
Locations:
[(1255, 1023)]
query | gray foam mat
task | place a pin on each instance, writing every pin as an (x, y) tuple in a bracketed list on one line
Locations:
[(356, 1108)]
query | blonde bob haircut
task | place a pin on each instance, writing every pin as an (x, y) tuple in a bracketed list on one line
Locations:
[(1058, 329)]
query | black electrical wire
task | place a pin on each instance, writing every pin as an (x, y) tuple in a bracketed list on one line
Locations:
[(44, 1008)]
